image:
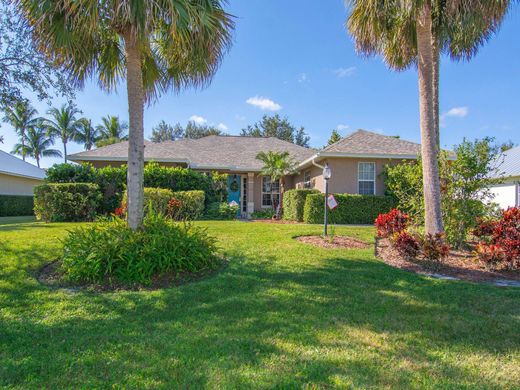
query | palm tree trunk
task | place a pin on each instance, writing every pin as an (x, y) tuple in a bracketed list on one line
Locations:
[(135, 90), (65, 151), (37, 160), (436, 66), (23, 144), (431, 184)]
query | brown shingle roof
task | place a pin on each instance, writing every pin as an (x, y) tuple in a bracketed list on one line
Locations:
[(364, 142), (212, 152)]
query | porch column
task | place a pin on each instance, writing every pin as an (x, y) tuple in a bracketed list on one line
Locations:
[(250, 193)]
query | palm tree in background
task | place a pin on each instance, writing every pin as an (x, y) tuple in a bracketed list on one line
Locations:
[(112, 128), (155, 45), (63, 124), (86, 134), (410, 32), (277, 165), (21, 117), (38, 143)]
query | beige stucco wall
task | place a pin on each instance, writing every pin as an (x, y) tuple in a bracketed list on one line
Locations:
[(344, 175), (15, 185)]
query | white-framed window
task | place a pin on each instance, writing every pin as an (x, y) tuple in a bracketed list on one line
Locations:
[(367, 178), (269, 187), (307, 183)]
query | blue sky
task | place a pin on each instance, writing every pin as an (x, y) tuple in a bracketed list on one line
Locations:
[(295, 58)]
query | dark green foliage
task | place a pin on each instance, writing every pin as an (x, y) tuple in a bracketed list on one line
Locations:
[(71, 173), (155, 200), (281, 128), (66, 202), (16, 205), (112, 183), (192, 204), (221, 211), (111, 250), (362, 209), (263, 214), (293, 203)]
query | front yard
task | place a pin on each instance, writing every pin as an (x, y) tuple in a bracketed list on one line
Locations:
[(282, 313)]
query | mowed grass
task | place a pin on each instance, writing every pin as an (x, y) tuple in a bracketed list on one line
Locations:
[(281, 315)]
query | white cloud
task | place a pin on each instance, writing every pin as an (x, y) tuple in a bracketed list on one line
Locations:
[(455, 112), (222, 126), (263, 103), (198, 119), (342, 127), (302, 77), (345, 72)]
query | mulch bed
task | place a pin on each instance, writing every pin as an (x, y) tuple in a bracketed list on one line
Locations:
[(51, 276), (460, 264), (338, 242)]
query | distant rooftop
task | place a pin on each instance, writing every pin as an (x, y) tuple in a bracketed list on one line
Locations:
[(14, 166), (510, 166)]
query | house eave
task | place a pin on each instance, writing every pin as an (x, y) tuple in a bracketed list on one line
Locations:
[(21, 175), (323, 155)]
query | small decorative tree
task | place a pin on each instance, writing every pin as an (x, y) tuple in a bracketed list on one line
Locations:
[(277, 165)]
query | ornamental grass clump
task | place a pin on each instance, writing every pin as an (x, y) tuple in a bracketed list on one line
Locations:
[(109, 251)]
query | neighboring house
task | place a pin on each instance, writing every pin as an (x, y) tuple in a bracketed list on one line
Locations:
[(507, 194), (357, 162), (18, 177)]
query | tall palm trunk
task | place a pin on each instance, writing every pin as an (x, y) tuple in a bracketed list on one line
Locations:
[(435, 77), (432, 196), (65, 150), (134, 85), (22, 134)]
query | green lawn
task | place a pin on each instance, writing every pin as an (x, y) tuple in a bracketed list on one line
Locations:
[(282, 314)]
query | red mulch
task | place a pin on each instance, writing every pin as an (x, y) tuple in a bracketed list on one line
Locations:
[(338, 242), (460, 264)]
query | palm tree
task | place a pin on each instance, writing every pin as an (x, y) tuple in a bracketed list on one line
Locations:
[(407, 33), (112, 127), (21, 117), (277, 165), (38, 144), (86, 134), (155, 45), (63, 124)]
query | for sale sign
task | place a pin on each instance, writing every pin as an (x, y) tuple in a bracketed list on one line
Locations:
[(331, 202)]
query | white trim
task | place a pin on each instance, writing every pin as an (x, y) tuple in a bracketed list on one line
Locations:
[(322, 155), (20, 175), (375, 176), (271, 192)]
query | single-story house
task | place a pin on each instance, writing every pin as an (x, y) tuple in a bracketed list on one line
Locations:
[(18, 177), (507, 194), (356, 162)]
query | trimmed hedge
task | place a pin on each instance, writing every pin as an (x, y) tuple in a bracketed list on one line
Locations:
[(16, 205), (66, 202), (221, 211), (360, 209), (155, 198), (294, 202), (192, 204)]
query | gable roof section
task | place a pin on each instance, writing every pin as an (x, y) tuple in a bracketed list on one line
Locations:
[(234, 153), (14, 166), (510, 166)]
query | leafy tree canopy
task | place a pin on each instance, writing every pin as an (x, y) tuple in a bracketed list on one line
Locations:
[(334, 137), (276, 126), (166, 132)]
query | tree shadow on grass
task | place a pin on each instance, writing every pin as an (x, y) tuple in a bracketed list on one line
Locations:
[(258, 324)]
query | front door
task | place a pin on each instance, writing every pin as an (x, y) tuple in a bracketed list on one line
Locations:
[(234, 189)]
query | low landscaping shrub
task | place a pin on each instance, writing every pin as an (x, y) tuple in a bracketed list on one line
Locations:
[(191, 205), (405, 244), (16, 205), (66, 202), (391, 223), (109, 250), (294, 203), (221, 211), (433, 246), (263, 214), (352, 209), (155, 199)]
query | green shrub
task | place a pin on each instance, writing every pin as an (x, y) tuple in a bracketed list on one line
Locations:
[(112, 184), (155, 198), (263, 214), (110, 250), (66, 202), (221, 211), (16, 205), (361, 209), (192, 204), (71, 173), (294, 202)]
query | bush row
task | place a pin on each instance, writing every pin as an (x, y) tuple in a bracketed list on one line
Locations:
[(112, 181), (294, 203), (16, 205), (357, 209)]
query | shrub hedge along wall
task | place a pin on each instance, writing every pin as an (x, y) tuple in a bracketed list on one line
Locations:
[(294, 202), (16, 205), (66, 202), (362, 209)]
